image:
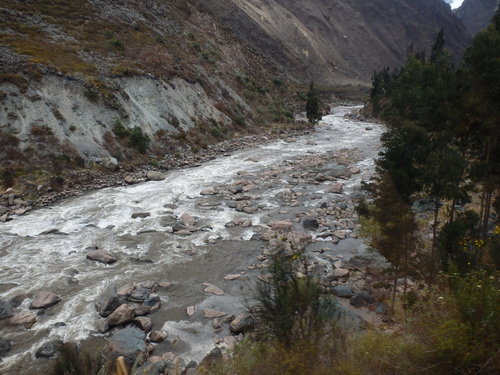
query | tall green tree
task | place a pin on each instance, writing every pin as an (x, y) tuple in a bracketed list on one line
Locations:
[(482, 62), (313, 105)]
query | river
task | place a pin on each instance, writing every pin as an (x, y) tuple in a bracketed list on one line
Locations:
[(147, 249)]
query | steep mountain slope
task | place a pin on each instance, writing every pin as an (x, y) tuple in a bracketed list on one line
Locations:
[(330, 40), (89, 80), (477, 14)]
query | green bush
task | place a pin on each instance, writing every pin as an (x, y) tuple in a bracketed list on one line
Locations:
[(138, 140), (120, 130), (292, 306)]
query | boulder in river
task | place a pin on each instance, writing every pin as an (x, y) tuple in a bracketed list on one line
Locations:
[(281, 225), (123, 314), (5, 346), (143, 323), (129, 343), (138, 294), (101, 256), (155, 176), (209, 191), (24, 319), (5, 309), (310, 223), (140, 215), (48, 350), (335, 188), (211, 313), (107, 302), (210, 288), (153, 302), (44, 299), (157, 336)]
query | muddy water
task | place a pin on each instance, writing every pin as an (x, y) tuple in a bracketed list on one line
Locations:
[(31, 261)]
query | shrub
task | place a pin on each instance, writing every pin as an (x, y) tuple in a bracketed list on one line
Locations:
[(120, 130), (292, 306), (7, 178), (72, 361), (138, 140)]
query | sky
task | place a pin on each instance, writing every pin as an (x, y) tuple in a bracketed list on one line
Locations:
[(455, 3)]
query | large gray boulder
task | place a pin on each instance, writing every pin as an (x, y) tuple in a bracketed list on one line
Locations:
[(342, 291), (44, 299), (107, 302), (128, 342)]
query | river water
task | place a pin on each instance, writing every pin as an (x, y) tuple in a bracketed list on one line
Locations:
[(56, 262)]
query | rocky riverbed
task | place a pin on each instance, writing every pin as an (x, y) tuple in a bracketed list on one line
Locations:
[(169, 266)]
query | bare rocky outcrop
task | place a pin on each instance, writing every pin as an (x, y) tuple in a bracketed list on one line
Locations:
[(477, 14)]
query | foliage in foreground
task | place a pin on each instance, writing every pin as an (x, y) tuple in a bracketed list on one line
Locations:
[(453, 329)]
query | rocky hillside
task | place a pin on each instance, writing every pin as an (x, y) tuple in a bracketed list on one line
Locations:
[(107, 80), (477, 14), (331, 40)]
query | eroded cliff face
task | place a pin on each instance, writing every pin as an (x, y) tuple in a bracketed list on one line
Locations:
[(477, 14), (338, 40), (185, 73)]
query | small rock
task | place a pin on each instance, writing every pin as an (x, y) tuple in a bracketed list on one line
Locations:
[(210, 288), (121, 315), (340, 272), (153, 302), (138, 295), (143, 323), (190, 310), (187, 219), (310, 224), (158, 336), (155, 176), (232, 277), (211, 313), (24, 319), (209, 191), (44, 299), (214, 356), (335, 189), (140, 215), (342, 291), (48, 350), (101, 256), (281, 225)]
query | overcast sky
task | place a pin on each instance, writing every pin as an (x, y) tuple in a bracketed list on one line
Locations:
[(455, 3)]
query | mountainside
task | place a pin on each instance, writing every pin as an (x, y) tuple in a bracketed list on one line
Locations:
[(94, 80), (477, 14), (331, 40)]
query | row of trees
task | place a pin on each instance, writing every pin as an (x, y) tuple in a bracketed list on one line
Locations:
[(443, 144)]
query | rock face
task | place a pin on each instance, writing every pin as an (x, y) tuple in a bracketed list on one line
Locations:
[(44, 299), (107, 302), (128, 342), (477, 14), (356, 37), (101, 256)]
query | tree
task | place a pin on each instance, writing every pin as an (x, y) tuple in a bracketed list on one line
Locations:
[(313, 104)]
